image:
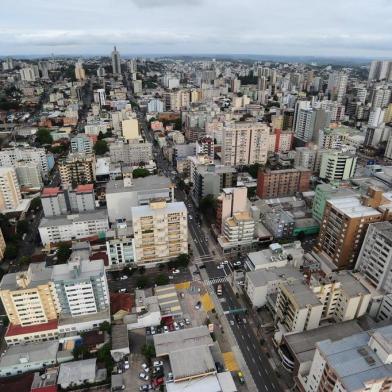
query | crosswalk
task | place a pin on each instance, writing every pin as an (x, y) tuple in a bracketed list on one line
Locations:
[(213, 281)]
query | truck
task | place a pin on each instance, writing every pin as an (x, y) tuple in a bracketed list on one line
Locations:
[(219, 290)]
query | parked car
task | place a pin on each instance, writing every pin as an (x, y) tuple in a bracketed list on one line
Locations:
[(143, 376), (220, 266), (145, 367), (176, 326), (187, 321), (198, 305), (158, 381), (169, 377), (157, 363), (165, 329), (181, 324), (145, 387), (176, 271), (241, 378)]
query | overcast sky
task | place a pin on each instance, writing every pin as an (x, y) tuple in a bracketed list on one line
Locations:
[(355, 28)]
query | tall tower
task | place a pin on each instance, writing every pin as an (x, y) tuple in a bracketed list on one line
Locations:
[(116, 62)]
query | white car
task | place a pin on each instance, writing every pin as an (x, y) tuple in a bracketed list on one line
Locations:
[(126, 366), (145, 367), (176, 271), (187, 321), (157, 363), (124, 277), (165, 329), (143, 376), (237, 263), (220, 266), (225, 262), (176, 326)]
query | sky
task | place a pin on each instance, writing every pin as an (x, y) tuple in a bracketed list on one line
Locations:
[(328, 28)]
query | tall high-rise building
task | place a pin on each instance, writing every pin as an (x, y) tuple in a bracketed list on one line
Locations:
[(205, 145), (337, 165), (160, 231), (10, 196), (245, 143), (77, 169), (337, 85), (380, 70), (100, 96), (375, 257), (342, 230), (80, 73), (116, 62)]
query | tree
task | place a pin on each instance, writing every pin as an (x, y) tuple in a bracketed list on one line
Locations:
[(36, 203), (63, 252), (183, 259), (80, 352), (161, 280), (43, 136), (142, 282), (148, 350), (22, 227), (105, 327), (253, 169), (101, 147), (207, 204), (11, 251), (140, 172), (24, 260)]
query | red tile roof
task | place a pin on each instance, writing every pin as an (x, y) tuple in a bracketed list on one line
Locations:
[(120, 301), (51, 191), (84, 188), (100, 256), (20, 383), (14, 330)]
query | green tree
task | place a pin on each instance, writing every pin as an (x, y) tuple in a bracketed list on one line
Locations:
[(63, 252), (11, 251), (148, 350), (105, 327), (183, 259), (36, 203), (43, 136), (101, 147), (140, 172), (207, 204), (161, 280), (142, 282), (22, 227), (24, 260), (80, 352)]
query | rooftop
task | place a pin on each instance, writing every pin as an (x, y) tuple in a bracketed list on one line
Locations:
[(139, 184), (54, 191), (62, 220), (87, 188), (77, 371), (29, 353), (191, 362), (352, 207), (83, 269), (168, 300), (179, 340), (50, 379), (14, 330), (169, 208), (261, 277), (300, 293), (119, 336)]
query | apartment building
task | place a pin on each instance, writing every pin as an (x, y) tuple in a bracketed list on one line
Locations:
[(57, 201), (81, 144), (130, 129), (337, 165), (81, 286), (160, 232), (122, 195), (10, 196), (2, 245), (280, 183), (29, 174), (209, 179), (77, 169), (62, 228), (342, 230), (280, 141), (375, 258), (245, 143), (357, 363), (120, 252), (238, 230), (205, 146), (230, 201), (9, 157), (28, 297), (130, 153)]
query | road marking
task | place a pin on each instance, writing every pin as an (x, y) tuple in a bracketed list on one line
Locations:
[(259, 373), (266, 387), (247, 347), (254, 346), (253, 360)]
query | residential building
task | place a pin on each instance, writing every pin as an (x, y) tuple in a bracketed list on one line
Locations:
[(230, 201), (375, 258), (130, 129), (245, 143), (337, 85), (360, 362), (380, 70), (57, 229), (324, 192), (77, 169), (2, 246), (285, 182), (10, 196), (130, 153), (209, 179), (29, 174), (80, 73), (81, 144), (120, 252), (116, 62), (205, 146), (99, 98), (9, 157), (280, 141), (160, 232), (343, 228), (81, 286), (29, 357), (122, 195), (309, 121), (28, 297), (79, 373), (56, 201), (305, 157), (280, 223), (155, 105), (337, 165)]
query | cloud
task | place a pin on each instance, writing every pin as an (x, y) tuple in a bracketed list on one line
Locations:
[(166, 3)]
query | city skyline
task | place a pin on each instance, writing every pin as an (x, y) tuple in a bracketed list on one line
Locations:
[(353, 29)]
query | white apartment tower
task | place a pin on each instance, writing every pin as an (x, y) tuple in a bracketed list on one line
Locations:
[(160, 232), (245, 143), (10, 196)]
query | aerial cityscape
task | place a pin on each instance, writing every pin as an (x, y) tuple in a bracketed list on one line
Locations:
[(190, 207)]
